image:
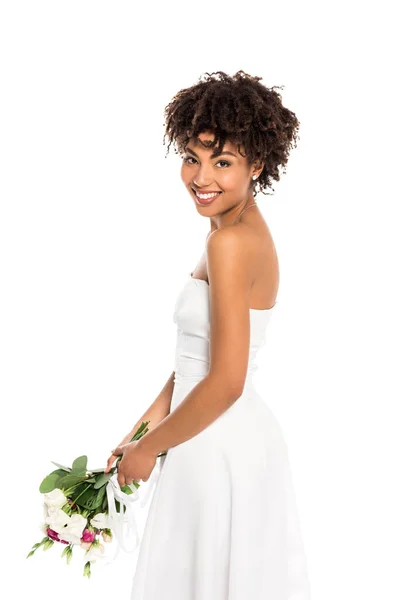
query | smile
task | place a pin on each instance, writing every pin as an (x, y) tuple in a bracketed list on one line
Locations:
[(209, 196)]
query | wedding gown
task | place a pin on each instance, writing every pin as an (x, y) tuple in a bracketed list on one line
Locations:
[(222, 523)]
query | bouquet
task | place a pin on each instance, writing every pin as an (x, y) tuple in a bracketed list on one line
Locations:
[(85, 508)]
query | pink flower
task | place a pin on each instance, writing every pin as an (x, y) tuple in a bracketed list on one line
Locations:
[(88, 536), (54, 536), (85, 545), (106, 536)]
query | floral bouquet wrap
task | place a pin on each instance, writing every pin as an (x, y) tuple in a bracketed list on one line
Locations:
[(87, 507)]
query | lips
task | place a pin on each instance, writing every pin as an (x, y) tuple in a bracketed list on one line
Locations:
[(205, 201), (206, 191)]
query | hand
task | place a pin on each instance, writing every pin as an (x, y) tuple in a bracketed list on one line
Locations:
[(110, 463), (136, 463), (111, 460)]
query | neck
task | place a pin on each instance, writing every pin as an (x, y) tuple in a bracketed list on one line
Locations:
[(232, 215)]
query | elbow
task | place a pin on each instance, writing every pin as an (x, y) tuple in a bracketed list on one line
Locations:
[(225, 386)]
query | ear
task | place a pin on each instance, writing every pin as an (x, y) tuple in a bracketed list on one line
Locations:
[(258, 167)]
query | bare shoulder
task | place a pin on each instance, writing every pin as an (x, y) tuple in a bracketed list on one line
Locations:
[(230, 255), (233, 247), (244, 256), (230, 236)]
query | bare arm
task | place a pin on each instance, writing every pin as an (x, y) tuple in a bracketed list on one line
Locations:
[(203, 405), (156, 412), (160, 408), (230, 278)]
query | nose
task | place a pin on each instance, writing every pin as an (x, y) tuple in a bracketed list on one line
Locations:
[(202, 179)]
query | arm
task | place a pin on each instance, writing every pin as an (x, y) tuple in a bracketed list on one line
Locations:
[(230, 284), (159, 409), (156, 412)]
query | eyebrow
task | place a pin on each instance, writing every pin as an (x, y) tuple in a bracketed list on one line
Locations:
[(214, 155)]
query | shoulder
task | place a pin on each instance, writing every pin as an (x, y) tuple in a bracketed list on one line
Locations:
[(231, 246), (230, 237)]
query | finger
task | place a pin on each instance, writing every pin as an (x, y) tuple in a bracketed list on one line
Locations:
[(121, 479), (110, 463)]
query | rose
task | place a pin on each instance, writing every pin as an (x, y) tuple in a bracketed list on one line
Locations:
[(55, 499), (100, 521), (70, 527), (88, 536), (57, 519), (73, 531)]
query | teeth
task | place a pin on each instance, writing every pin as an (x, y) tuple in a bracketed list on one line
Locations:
[(206, 196)]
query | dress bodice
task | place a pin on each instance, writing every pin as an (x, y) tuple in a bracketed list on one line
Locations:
[(192, 317)]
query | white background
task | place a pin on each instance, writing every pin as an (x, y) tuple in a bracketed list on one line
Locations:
[(98, 234)]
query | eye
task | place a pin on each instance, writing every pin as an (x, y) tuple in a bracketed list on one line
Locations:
[(187, 158)]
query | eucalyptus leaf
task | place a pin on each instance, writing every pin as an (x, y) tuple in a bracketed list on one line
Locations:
[(61, 466), (79, 465), (69, 480), (102, 480), (96, 470), (49, 483)]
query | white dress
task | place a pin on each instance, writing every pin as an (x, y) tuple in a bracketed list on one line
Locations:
[(223, 522)]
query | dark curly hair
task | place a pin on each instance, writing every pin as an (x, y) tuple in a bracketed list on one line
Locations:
[(238, 109)]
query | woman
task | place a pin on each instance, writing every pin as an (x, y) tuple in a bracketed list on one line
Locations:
[(223, 522)]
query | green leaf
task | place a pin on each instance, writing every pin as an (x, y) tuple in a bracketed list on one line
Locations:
[(79, 489), (127, 490), (83, 500), (79, 465), (98, 499), (61, 466), (49, 483), (102, 480), (67, 552), (86, 569), (96, 470), (48, 544), (36, 546), (68, 481)]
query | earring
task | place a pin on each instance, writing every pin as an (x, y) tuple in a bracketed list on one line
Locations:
[(255, 176)]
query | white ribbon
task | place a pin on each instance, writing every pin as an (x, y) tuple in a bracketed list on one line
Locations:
[(118, 520)]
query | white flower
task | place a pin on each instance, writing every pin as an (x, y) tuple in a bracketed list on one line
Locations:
[(73, 531), (57, 519), (43, 527), (55, 499), (100, 521), (95, 553)]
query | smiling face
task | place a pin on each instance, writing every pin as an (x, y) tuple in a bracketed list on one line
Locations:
[(228, 174)]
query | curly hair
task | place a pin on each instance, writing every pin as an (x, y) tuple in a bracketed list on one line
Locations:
[(238, 109)]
